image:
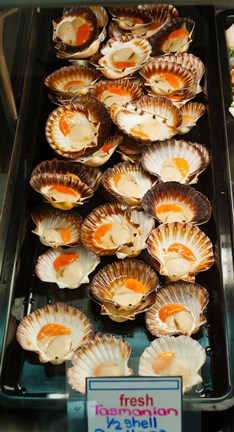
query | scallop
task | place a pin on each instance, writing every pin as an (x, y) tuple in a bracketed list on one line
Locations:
[(175, 202), (103, 154), (176, 160), (131, 19), (174, 356), (75, 128), (178, 309), (68, 268), (70, 81), (148, 119), (56, 228), (118, 92), (80, 32), (103, 355), (174, 37), (191, 112), (116, 229), (181, 250), (131, 149), (63, 184), (168, 79), (161, 14), (123, 56), (124, 289), (54, 332)]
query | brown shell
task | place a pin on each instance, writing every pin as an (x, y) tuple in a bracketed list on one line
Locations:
[(191, 112), (157, 9), (130, 18), (128, 90), (74, 14), (95, 113), (160, 41), (58, 80), (193, 207), (108, 279)]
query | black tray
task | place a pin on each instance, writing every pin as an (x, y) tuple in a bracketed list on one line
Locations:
[(24, 381)]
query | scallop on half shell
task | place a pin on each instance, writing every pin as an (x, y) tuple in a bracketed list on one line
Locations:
[(191, 112), (116, 229), (173, 356), (54, 332), (103, 355), (124, 289), (56, 228), (178, 309), (148, 119), (175, 202), (127, 183), (83, 125), (180, 250), (68, 268), (176, 160)]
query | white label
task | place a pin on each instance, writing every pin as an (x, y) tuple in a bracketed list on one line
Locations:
[(134, 404)]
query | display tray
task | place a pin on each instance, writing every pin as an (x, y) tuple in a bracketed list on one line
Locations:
[(25, 381)]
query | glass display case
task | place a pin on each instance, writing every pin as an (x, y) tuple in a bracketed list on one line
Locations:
[(28, 56)]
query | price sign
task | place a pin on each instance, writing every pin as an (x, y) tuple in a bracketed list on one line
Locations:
[(134, 404)]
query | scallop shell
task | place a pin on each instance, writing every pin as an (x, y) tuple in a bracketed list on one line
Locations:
[(148, 119), (68, 268), (115, 62), (119, 91), (131, 149), (103, 355), (174, 37), (71, 29), (176, 160), (103, 154), (127, 183), (54, 348), (73, 128), (115, 31), (178, 309), (168, 79), (131, 18), (116, 229), (161, 14), (174, 356), (180, 250), (124, 289), (56, 228), (175, 202), (70, 81), (191, 112)]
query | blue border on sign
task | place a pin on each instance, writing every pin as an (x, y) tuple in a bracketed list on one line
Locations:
[(175, 381)]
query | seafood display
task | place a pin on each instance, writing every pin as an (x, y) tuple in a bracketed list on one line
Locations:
[(122, 185)]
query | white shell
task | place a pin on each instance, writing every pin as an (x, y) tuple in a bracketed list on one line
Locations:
[(104, 355), (159, 160), (181, 250), (103, 154), (191, 112), (49, 225), (70, 275), (189, 356), (191, 297), (54, 349)]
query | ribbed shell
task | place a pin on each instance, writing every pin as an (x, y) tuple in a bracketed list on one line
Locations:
[(59, 313), (46, 271), (109, 281), (136, 228), (187, 204), (49, 223), (161, 14), (134, 175), (120, 51), (159, 157), (168, 79), (103, 154), (148, 119), (65, 29), (191, 112), (102, 350), (188, 352), (85, 114), (166, 41), (70, 81), (175, 264), (190, 295), (119, 91), (129, 18)]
